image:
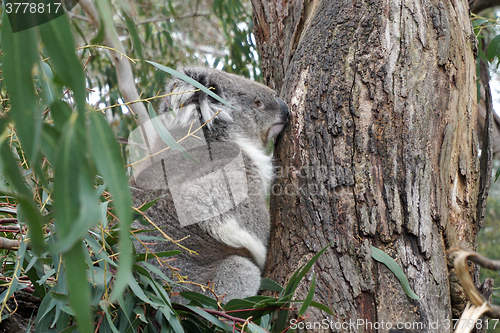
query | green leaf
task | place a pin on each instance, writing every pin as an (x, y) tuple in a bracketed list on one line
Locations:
[(20, 54), (88, 216), (14, 286), (309, 297), (161, 274), (142, 256), (497, 174), (43, 318), (45, 77), (322, 307), (23, 195), (108, 159), (147, 205), (289, 290), (108, 317), (297, 277), (189, 80), (384, 258), (67, 168), (50, 137), (268, 284), (478, 22), (60, 112), (205, 300), (58, 40), (79, 290), (135, 36), (254, 328), (214, 320), (493, 48)]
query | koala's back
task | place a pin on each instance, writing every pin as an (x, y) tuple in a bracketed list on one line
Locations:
[(225, 245), (213, 198)]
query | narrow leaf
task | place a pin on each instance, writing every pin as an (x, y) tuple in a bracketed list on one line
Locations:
[(294, 281), (26, 203), (493, 48), (134, 34), (142, 256), (107, 156), (214, 320), (58, 40), (205, 300), (309, 297), (79, 289), (189, 80), (322, 307), (20, 54), (384, 258), (268, 284)]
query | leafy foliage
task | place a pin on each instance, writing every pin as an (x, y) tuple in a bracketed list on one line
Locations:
[(65, 206)]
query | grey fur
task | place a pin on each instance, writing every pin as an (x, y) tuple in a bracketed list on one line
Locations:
[(219, 203)]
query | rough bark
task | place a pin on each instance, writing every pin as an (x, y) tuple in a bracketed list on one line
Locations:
[(380, 150), (22, 308)]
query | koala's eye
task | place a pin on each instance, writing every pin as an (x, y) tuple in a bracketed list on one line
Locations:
[(258, 103)]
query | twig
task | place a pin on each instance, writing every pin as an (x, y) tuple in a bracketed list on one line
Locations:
[(10, 244), (9, 220), (180, 140), (164, 18), (124, 74), (462, 271)]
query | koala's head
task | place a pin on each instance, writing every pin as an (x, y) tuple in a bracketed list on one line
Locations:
[(257, 114)]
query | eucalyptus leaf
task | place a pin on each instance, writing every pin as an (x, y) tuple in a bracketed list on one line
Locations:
[(107, 156), (79, 290), (309, 297), (20, 53), (493, 48), (384, 258), (211, 318), (189, 80), (58, 40), (268, 284), (207, 301)]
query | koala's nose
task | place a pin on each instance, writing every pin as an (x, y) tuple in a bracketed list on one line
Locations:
[(284, 109)]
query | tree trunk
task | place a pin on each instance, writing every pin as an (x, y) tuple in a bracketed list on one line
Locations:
[(380, 150)]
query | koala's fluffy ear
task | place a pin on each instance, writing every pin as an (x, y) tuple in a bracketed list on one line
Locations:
[(188, 102)]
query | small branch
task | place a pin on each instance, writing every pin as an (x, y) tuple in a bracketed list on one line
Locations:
[(165, 18), (78, 17), (9, 220), (10, 244), (463, 274), (179, 141), (10, 228), (124, 73)]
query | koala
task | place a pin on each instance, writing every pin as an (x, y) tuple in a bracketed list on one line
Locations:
[(212, 195)]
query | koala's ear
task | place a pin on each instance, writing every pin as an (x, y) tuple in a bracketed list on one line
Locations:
[(188, 102), (209, 106)]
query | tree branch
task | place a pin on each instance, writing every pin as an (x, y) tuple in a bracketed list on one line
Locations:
[(10, 244), (9, 220), (126, 82)]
